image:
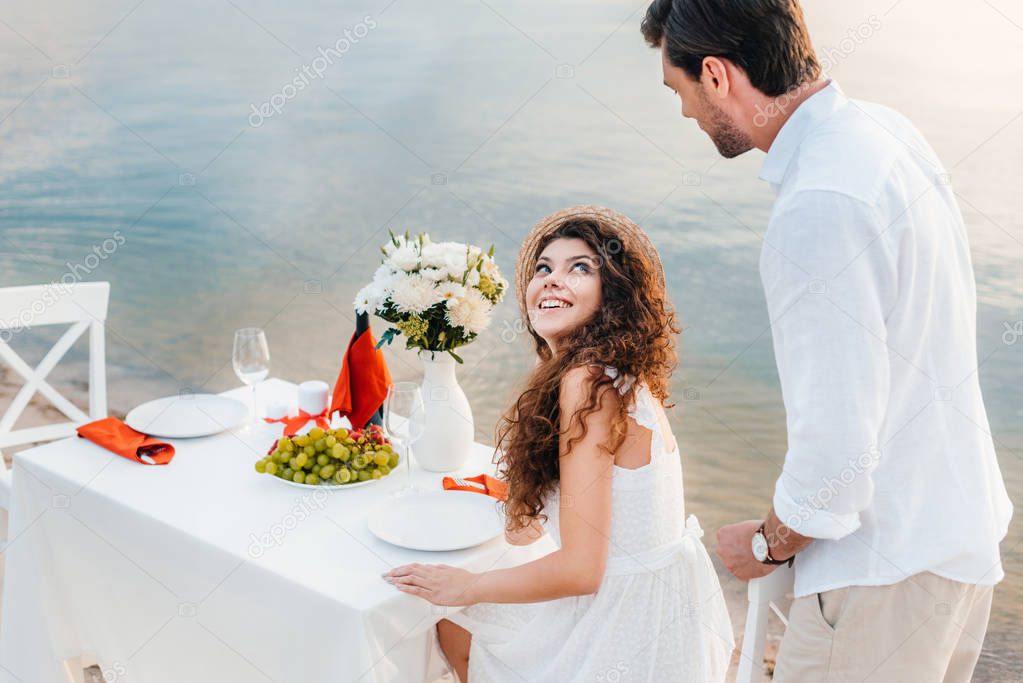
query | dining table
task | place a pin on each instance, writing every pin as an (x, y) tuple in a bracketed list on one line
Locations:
[(206, 571)]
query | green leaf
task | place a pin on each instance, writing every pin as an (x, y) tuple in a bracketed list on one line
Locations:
[(455, 356), (388, 336)]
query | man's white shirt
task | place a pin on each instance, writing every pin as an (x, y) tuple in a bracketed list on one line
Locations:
[(871, 295)]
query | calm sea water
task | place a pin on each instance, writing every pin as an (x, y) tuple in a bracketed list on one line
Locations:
[(134, 122)]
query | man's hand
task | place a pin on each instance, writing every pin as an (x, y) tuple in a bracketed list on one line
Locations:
[(735, 548)]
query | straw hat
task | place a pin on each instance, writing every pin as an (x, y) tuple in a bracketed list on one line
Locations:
[(632, 237)]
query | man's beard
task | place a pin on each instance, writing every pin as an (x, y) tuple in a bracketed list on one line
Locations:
[(726, 136)]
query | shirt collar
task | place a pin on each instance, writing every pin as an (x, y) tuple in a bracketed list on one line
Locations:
[(804, 119)]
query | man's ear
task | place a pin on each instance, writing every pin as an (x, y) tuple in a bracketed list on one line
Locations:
[(715, 76)]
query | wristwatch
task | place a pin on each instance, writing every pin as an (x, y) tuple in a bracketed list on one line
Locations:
[(762, 549)]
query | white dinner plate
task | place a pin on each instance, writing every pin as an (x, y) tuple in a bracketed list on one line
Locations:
[(187, 415), (438, 520)]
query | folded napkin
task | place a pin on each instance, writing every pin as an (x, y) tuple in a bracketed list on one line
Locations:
[(481, 483), (117, 437), (362, 384)]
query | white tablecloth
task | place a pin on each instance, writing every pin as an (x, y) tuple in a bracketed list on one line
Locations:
[(205, 571)]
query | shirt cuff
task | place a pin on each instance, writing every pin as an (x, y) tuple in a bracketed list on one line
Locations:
[(812, 518)]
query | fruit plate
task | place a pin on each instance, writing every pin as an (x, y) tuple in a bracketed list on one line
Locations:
[(438, 520), (329, 487)]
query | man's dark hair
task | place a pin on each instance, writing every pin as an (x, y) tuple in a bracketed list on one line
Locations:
[(768, 39)]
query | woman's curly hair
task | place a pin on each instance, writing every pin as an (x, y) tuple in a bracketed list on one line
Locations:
[(633, 331)]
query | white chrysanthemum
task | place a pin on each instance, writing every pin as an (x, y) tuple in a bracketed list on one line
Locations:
[(450, 256), (433, 273), (405, 257), (471, 312), (451, 292), (474, 278), (414, 294), (368, 299), (384, 279)]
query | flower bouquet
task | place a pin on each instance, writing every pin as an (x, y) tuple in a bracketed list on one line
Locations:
[(440, 295)]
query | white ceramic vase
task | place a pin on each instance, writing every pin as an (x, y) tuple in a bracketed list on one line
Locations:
[(447, 440)]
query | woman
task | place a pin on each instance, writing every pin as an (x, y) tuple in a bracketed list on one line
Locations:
[(630, 594)]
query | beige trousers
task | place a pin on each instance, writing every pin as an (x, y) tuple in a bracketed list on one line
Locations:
[(924, 629)]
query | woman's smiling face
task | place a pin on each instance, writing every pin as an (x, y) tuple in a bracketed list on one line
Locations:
[(565, 291)]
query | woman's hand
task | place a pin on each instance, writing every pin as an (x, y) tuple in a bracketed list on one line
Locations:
[(437, 583)]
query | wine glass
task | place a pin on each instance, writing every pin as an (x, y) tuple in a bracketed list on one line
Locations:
[(251, 359), (405, 421)]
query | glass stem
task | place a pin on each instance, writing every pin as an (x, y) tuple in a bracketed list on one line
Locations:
[(408, 465)]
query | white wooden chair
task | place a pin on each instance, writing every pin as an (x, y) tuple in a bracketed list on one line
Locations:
[(764, 594), (84, 307)]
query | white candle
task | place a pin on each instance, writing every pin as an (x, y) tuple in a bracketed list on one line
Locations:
[(275, 410), (312, 396)]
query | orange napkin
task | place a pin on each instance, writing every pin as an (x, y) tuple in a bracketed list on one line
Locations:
[(481, 483), (363, 382), (117, 437)]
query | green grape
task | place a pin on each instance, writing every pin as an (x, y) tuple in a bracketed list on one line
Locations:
[(322, 459), (342, 453), (384, 470), (316, 470), (343, 476), (359, 462), (261, 466), (320, 445), (277, 457), (288, 473), (299, 461), (301, 441), (341, 433), (387, 447), (376, 473), (326, 472), (312, 479), (286, 445), (298, 477), (293, 463), (309, 450), (364, 475), (392, 461), (315, 433), (331, 440), (380, 458)]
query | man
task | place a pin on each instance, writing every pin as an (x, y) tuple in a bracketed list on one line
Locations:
[(891, 493)]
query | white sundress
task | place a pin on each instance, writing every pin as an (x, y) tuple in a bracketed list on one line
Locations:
[(659, 614)]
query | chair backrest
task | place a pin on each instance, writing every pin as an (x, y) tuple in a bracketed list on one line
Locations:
[(764, 594), (83, 306)]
